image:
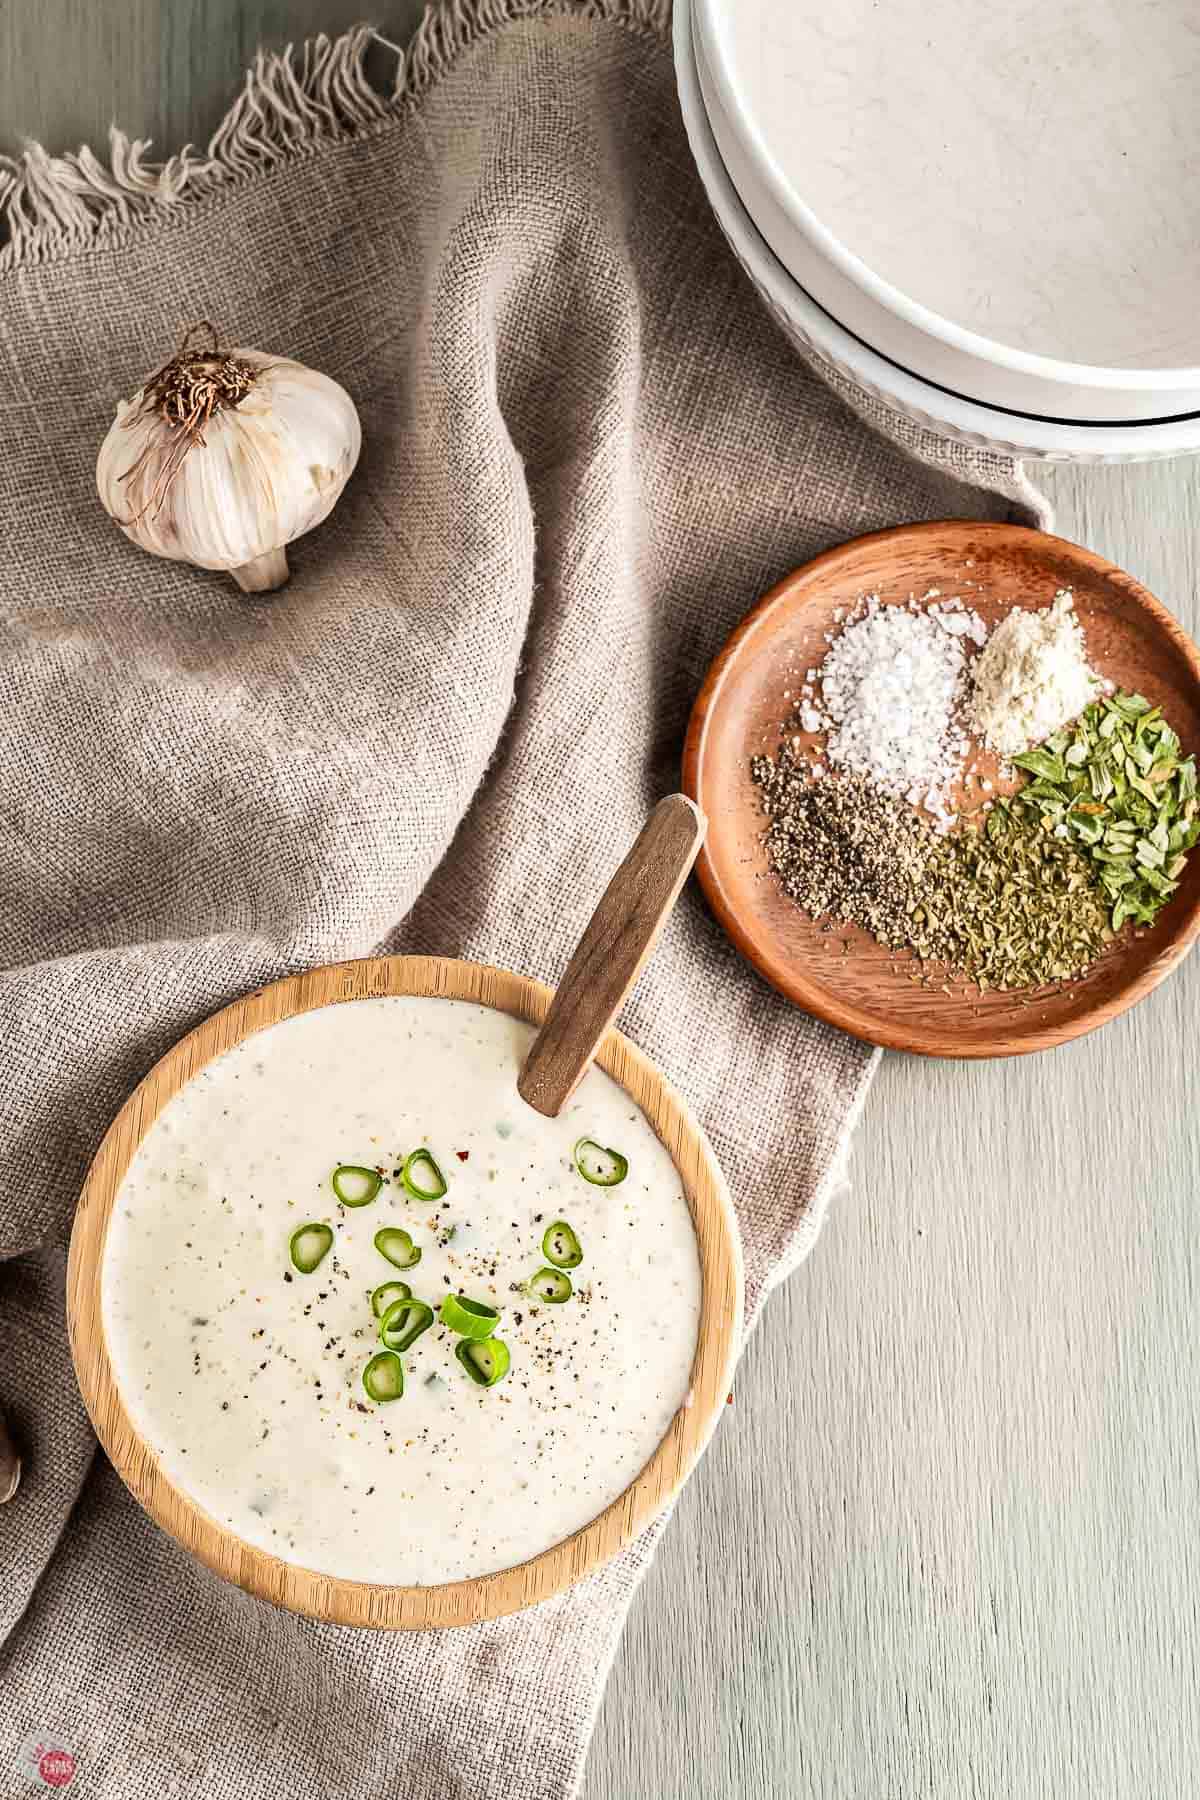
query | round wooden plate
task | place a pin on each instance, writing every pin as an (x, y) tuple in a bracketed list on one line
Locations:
[(865, 989), (364, 1603)]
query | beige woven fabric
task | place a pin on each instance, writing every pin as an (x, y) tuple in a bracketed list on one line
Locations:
[(587, 451)]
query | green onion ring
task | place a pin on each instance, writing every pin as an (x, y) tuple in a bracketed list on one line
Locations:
[(309, 1246), (561, 1247), (422, 1177), (397, 1246), (387, 1295), (603, 1168), (355, 1185), (403, 1323), (469, 1318), (383, 1377), (486, 1360), (551, 1285)]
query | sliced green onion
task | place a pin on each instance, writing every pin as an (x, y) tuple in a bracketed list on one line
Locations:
[(422, 1177), (396, 1244), (387, 1295), (469, 1318), (310, 1245), (354, 1185), (383, 1377), (603, 1168), (486, 1360), (403, 1323), (551, 1285), (561, 1247)]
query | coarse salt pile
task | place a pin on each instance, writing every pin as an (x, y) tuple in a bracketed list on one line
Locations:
[(1032, 678), (892, 684)]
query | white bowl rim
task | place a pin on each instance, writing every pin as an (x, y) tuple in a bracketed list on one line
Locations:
[(893, 299), (1007, 432)]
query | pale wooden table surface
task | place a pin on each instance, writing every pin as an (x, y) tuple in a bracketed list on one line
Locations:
[(955, 1499)]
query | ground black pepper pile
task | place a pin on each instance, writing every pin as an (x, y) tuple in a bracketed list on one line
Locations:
[(841, 848), (1012, 908)]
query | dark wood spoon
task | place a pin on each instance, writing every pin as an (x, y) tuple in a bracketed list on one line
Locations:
[(610, 955)]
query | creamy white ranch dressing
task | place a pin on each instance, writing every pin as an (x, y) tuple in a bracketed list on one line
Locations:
[(248, 1385)]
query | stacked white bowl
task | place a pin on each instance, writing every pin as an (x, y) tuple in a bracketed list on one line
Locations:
[(984, 215)]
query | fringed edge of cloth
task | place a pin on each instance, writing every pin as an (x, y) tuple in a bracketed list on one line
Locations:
[(292, 103)]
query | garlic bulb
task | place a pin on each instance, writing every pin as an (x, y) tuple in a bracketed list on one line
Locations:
[(224, 456)]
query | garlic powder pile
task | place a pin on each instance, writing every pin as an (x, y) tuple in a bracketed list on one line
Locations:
[(1032, 678), (892, 686)]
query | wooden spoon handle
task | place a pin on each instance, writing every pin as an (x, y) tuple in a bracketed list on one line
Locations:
[(610, 955)]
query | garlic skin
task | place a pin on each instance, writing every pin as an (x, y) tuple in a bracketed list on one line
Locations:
[(257, 472)]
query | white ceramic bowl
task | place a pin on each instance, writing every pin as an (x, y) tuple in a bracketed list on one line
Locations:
[(827, 342), (990, 200)]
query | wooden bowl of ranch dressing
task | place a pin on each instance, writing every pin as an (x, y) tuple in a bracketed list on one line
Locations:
[(226, 1383)]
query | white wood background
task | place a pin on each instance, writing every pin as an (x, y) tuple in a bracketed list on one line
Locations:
[(945, 1543), (956, 1496)]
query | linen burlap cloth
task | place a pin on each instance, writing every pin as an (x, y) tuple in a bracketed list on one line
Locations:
[(587, 450)]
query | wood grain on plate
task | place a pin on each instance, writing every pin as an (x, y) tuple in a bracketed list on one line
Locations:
[(364, 1603), (843, 975)]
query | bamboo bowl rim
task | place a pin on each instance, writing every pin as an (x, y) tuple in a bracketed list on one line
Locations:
[(330, 1598)]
